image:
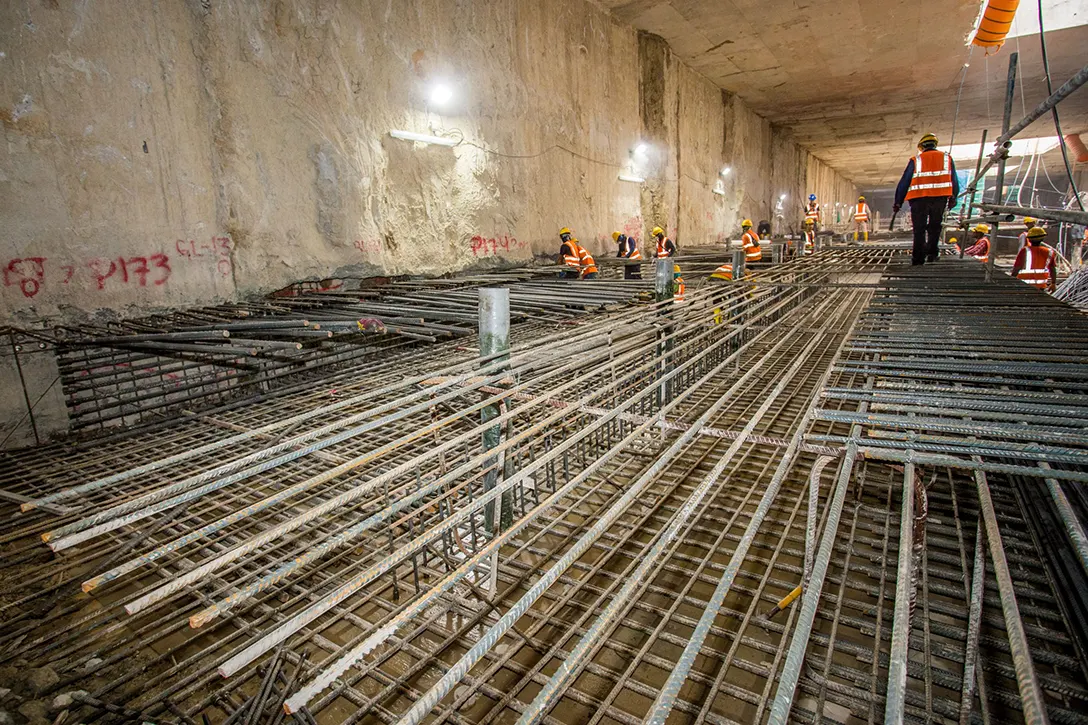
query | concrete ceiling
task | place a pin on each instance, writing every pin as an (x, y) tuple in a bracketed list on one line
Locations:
[(858, 81)]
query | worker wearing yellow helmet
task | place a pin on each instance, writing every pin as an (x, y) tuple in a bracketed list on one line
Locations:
[(1036, 263), (809, 234), (665, 246), (627, 248), (954, 244), (678, 287), (980, 248), (749, 240), (861, 218), (578, 261), (1029, 222), (931, 186)]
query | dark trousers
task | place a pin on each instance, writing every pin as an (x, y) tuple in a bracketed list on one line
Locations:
[(926, 214)]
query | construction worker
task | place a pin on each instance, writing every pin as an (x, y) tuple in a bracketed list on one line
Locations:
[(861, 218), (812, 211), (930, 184), (764, 229), (587, 263), (1036, 262), (1029, 222), (724, 271), (953, 243), (750, 241), (677, 285), (665, 246), (809, 233), (980, 248), (568, 254), (627, 248)]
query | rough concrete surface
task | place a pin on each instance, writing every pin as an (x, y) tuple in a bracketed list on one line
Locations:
[(199, 151)]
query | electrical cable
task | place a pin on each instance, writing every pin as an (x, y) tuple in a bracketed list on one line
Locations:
[(1054, 110)]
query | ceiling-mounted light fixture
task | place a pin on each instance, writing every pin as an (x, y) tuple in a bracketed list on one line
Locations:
[(783, 197), (725, 171), (633, 179), (423, 138)]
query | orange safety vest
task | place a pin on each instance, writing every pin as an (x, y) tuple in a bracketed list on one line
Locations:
[(725, 271), (810, 238), (861, 213), (813, 212), (636, 254), (662, 248), (752, 250), (1036, 271), (932, 175), (586, 261), (678, 295), (571, 256)]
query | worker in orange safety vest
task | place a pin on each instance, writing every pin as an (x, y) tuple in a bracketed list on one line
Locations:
[(861, 218), (812, 211), (980, 249), (587, 263), (1036, 263), (665, 246), (750, 241), (724, 271), (931, 186), (579, 262)]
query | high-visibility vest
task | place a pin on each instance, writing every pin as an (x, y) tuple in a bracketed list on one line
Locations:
[(725, 271), (571, 257), (932, 175), (813, 212), (752, 250), (1036, 271), (663, 248), (633, 251), (678, 295), (861, 212), (586, 261), (810, 238)]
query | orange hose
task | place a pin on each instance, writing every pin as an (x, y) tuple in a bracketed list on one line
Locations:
[(1074, 144), (996, 23)]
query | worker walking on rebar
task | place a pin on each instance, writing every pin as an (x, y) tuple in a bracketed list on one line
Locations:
[(812, 212), (809, 235), (1036, 263), (627, 248), (749, 240), (861, 218), (930, 184), (1029, 222), (980, 243), (665, 246)]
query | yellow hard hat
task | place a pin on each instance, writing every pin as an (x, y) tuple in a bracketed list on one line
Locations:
[(952, 240), (861, 198), (1030, 220), (809, 222), (982, 228), (1036, 233), (565, 230), (928, 138), (676, 269), (746, 223), (658, 230), (615, 236)]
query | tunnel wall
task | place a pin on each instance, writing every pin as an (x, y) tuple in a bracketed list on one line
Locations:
[(211, 150)]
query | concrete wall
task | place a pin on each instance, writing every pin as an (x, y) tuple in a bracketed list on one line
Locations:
[(207, 150)]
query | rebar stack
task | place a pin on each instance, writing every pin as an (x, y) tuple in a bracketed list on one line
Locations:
[(694, 511)]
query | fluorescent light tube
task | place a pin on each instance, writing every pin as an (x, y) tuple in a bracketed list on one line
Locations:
[(423, 138)]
